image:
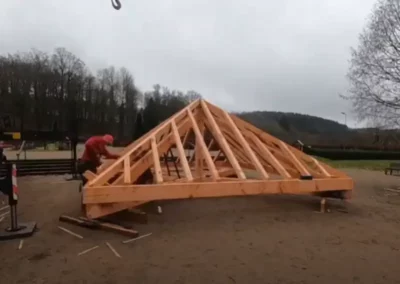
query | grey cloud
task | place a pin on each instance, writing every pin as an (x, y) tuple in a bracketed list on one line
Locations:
[(287, 55)]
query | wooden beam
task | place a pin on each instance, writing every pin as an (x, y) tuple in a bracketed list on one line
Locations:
[(320, 167), (144, 163), (239, 153), (244, 160), (110, 170), (334, 172), (271, 158), (181, 152), (156, 161), (199, 165), (269, 139), (235, 146), (277, 152), (217, 156), (271, 142), (185, 138), (89, 175), (179, 115), (226, 172), (216, 132), (246, 147), (94, 211), (94, 224), (207, 156), (210, 144), (193, 152), (299, 166), (281, 158), (99, 210), (111, 194), (127, 170), (183, 143)]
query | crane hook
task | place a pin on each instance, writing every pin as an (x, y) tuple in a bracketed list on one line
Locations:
[(116, 5)]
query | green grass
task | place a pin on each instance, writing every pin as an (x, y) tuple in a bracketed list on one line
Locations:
[(375, 165)]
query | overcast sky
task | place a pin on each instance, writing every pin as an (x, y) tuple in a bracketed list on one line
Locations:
[(286, 55)]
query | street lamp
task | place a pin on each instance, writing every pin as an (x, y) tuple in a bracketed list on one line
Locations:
[(345, 118)]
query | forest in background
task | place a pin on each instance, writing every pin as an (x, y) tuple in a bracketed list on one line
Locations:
[(41, 91)]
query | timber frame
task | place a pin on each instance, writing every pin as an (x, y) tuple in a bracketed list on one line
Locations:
[(230, 157)]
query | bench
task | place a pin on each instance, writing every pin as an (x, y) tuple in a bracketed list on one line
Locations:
[(392, 167)]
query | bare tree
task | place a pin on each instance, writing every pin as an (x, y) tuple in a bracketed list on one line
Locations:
[(40, 91), (374, 73)]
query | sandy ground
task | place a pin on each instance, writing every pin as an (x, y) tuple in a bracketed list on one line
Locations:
[(268, 239)]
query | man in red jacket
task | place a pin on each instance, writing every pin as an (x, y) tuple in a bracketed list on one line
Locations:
[(95, 147)]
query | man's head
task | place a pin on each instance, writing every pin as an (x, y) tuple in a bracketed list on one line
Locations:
[(108, 139)]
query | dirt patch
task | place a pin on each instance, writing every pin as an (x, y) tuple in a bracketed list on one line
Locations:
[(271, 239)]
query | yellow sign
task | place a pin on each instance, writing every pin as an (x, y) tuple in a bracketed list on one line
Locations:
[(15, 135)]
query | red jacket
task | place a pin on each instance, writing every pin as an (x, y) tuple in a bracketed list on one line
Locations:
[(95, 147)]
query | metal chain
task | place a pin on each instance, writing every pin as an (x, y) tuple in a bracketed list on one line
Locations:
[(116, 4)]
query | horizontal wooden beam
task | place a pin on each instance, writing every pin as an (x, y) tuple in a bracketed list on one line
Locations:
[(94, 211), (126, 193)]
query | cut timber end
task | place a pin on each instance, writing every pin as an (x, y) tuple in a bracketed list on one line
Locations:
[(202, 151), (92, 224)]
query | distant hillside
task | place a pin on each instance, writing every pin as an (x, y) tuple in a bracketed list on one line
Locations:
[(311, 130)]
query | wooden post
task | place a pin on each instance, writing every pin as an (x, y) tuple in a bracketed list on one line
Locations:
[(181, 153), (199, 164), (156, 161)]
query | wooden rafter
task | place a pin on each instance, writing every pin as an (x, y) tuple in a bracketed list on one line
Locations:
[(249, 152), (181, 153), (183, 142), (203, 147), (199, 162), (156, 161), (216, 131), (271, 158), (140, 166)]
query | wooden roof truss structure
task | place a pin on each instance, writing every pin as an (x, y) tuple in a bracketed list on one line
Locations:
[(230, 158)]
